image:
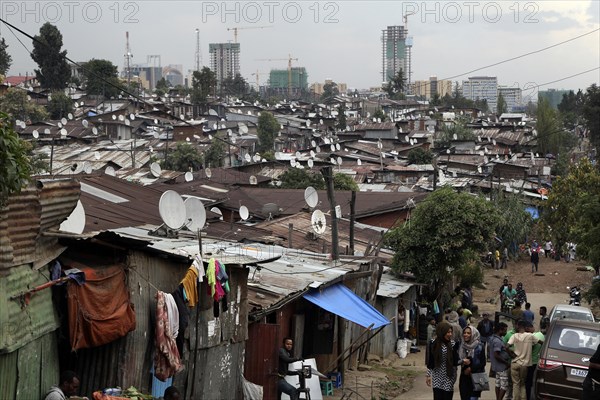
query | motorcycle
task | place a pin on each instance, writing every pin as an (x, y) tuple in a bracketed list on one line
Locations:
[(574, 295), (509, 304)]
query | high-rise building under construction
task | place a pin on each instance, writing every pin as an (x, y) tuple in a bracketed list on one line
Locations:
[(396, 48), (224, 60)]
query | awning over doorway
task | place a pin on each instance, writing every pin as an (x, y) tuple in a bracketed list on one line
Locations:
[(341, 301)]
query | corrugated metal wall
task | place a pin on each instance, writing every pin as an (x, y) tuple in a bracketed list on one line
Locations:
[(261, 357), (384, 343)]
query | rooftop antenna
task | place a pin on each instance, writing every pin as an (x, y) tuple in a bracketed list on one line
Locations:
[(75, 222), (318, 222), (195, 214), (128, 57), (172, 210), (198, 60), (311, 197), (244, 213)]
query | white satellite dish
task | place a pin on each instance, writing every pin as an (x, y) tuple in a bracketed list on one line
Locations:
[(313, 143), (359, 162), (132, 117), (311, 196), (188, 176), (195, 214), (35, 134), (326, 140), (406, 139), (70, 116), (87, 167), (229, 132), (60, 125), (312, 154), (455, 136), (63, 121), (337, 146), (85, 123), (332, 147), (244, 213), (110, 171), (114, 117), (479, 170), (128, 123), (46, 131), (310, 163), (75, 222), (253, 180), (247, 157), (63, 132), (218, 212), (207, 172), (97, 155), (172, 209), (339, 161), (332, 160), (95, 130), (213, 113), (155, 170), (256, 157), (243, 128), (293, 162), (318, 222), (318, 149)]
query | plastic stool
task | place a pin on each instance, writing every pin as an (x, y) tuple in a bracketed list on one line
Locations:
[(326, 388), (336, 378)]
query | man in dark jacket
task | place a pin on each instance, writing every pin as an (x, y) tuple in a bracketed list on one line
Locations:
[(285, 358)]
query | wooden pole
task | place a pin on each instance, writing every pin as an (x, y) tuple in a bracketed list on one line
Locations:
[(327, 174)]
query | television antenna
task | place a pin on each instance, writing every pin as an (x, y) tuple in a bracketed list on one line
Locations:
[(244, 213), (253, 180), (318, 222), (172, 209), (207, 172), (195, 214), (218, 212), (311, 196), (188, 176), (155, 169), (109, 171), (75, 222)]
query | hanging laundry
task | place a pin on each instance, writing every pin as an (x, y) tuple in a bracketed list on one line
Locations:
[(184, 316), (211, 276), (199, 266), (167, 361), (173, 314), (190, 283), (223, 277)]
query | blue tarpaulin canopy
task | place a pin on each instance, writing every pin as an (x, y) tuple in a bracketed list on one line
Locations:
[(341, 301), (533, 211)]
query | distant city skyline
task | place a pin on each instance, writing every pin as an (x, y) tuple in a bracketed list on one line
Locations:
[(332, 40)]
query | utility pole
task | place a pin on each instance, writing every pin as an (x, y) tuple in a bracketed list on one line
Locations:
[(352, 220), (327, 174)]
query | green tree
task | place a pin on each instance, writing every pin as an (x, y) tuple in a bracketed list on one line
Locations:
[(54, 72), (591, 113), (15, 169), (501, 107), (184, 158), (234, 86), (420, 156), (344, 182), (213, 156), (162, 87), (101, 77), (5, 58), (380, 114), (396, 85), (515, 223), (295, 178), (15, 102), (59, 105), (459, 129), (564, 209), (446, 232), (204, 83), (267, 130), (342, 122), (551, 136), (330, 90)]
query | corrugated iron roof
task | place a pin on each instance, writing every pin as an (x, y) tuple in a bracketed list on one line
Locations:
[(392, 287)]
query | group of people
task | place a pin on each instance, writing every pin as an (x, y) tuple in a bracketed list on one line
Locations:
[(69, 383)]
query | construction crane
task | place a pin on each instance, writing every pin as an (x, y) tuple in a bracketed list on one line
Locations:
[(289, 60), (257, 74), (235, 30)]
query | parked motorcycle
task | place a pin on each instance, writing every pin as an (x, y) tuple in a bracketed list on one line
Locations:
[(574, 295)]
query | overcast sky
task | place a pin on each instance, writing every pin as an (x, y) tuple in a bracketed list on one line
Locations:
[(340, 40)]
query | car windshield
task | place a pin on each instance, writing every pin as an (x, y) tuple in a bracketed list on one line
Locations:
[(579, 340), (558, 314)]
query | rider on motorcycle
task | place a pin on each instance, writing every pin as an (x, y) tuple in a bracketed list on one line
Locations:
[(508, 294)]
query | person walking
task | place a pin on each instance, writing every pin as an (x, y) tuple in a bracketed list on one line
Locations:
[(591, 387), (471, 356), (528, 315), (535, 260), (504, 263), (547, 248), (500, 360), (497, 258), (486, 330), (442, 360), (544, 319), (522, 344)]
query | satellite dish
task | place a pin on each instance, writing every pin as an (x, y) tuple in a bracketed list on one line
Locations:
[(479, 170), (208, 172), (97, 155), (155, 169), (132, 117), (455, 136), (359, 162), (75, 222), (229, 132), (326, 140), (494, 142), (332, 160), (188, 176), (406, 139), (172, 209), (243, 128), (195, 214), (63, 121), (218, 212), (63, 132), (337, 146), (46, 131), (87, 167), (109, 171), (253, 180), (339, 161), (213, 113), (318, 149), (128, 123), (114, 117), (332, 147), (293, 162), (95, 130), (380, 145), (311, 163), (318, 222), (247, 157), (35, 134), (298, 154), (60, 125), (447, 151), (69, 115), (311, 196), (244, 213), (85, 123), (312, 154), (313, 143), (256, 157), (320, 122)]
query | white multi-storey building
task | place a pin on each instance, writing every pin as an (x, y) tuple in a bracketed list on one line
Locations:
[(482, 87)]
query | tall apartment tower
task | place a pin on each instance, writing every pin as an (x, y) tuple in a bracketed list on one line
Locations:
[(482, 87), (396, 48), (224, 60)]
